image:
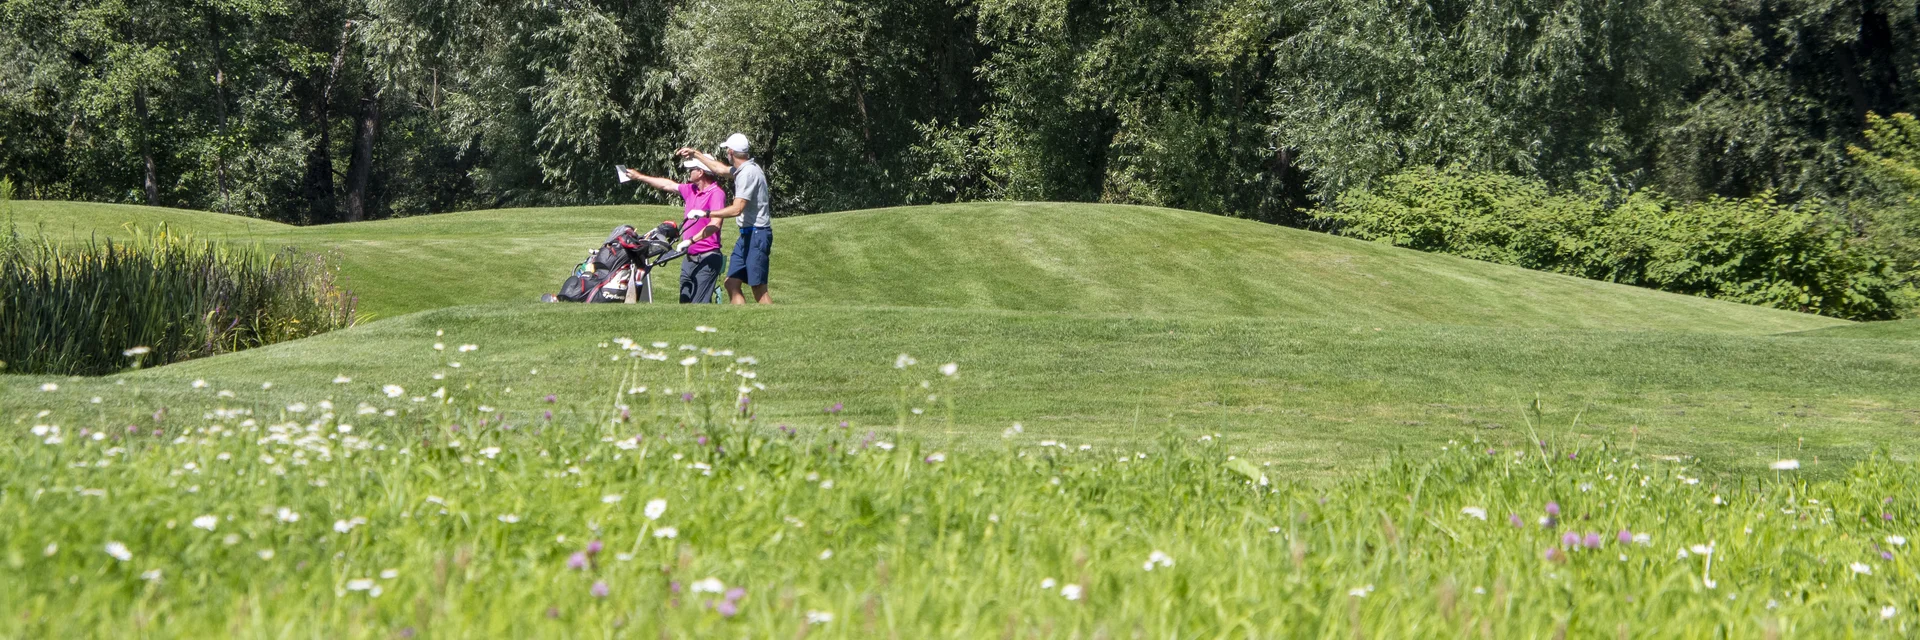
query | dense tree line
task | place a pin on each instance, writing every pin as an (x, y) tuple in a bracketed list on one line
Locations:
[(328, 110)]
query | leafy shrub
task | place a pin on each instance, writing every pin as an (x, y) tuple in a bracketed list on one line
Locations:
[(1752, 250), (103, 306)]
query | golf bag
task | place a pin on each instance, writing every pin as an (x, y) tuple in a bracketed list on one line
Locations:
[(620, 270)]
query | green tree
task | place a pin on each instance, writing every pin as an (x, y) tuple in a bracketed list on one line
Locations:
[(1888, 210), (1787, 86), (1546, 88), (831, 92)]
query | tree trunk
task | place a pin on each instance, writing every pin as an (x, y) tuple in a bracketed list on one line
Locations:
[(866, 122), (1876, 50), (360, 164), (146, 146), (220, 104), (317, 188)]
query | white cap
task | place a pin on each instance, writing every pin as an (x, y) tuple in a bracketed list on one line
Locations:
[(693, 164), (737, 142)]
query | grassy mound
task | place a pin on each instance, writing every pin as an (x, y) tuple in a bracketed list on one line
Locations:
[(1308, 395), (1012, 256)]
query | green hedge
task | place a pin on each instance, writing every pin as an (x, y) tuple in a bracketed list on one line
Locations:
[(1754, 250)]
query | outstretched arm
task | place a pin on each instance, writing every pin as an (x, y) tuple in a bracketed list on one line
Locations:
[(717, 167), (662, 184), (732, 211)]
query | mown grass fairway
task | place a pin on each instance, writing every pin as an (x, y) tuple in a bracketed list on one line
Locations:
[(1244, 431), (1310, 395), (1099, 323), (1891, 330), (1022, 257)]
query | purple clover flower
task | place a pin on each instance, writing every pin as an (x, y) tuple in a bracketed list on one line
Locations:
[(686, 397), (736, 593), (727, 609), (599, 589), (1514, 519), (1570, 540), (593, 548), (1626, 537), (836, 408), (1593, 540), (673, 586), (547, 415), (1553, 509), (577, 561), (550, 399)]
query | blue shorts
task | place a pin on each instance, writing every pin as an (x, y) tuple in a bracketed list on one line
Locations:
[(751, 253)]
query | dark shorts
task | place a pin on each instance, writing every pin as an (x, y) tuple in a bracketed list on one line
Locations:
[(751, 253), (699, 275)]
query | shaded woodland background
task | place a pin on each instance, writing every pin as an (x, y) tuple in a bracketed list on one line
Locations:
[(333, 110), (1718, 147)]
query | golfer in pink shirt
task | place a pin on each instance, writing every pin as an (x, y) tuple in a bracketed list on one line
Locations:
[(700, 270)]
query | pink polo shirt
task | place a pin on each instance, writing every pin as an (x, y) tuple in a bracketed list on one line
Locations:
[(713, 198)]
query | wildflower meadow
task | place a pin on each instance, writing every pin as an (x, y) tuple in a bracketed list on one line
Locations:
[(663, 506)]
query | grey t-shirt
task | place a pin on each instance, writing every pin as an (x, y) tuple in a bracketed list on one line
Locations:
[(750, 184)]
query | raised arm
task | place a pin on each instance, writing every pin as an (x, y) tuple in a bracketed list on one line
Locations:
[(662, 184), (717, 167)]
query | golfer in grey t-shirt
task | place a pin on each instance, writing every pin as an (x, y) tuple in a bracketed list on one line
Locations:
[(752, 203)]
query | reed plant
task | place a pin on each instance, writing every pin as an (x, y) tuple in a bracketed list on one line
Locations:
[(101, 306)]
